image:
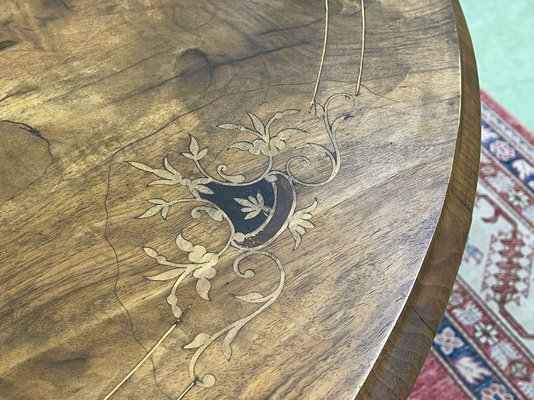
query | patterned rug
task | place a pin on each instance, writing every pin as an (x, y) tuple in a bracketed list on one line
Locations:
[(484, 346)]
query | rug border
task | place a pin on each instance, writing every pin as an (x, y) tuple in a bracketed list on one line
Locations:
[(506, 116)]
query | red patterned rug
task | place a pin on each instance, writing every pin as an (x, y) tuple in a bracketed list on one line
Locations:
[(484, 346)]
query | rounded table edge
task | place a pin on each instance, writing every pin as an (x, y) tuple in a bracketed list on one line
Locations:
[(398, 366)]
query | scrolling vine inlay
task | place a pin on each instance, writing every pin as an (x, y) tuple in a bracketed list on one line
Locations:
[(256, 212)]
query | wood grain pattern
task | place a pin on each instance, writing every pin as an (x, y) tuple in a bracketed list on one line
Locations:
[(109, 83), (413, 334), (21, 169)]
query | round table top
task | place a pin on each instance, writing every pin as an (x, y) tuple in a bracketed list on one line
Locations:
[(200, 201)]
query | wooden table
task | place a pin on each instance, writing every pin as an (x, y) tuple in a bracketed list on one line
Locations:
[(177, 221)]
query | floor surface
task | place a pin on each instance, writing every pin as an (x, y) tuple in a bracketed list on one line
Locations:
[(503, 37)]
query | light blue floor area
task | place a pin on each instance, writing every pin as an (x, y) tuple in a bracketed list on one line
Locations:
[(503, 37)]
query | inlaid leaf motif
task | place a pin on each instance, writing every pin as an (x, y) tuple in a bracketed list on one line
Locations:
[(299, 222), (258, 146), (169, 175), (227, 342), (266, 144), (149, 251), (319, 110), (151, 211), (169, 167), (194, 152), (229, 333), (245, 146), (253, 297), (203, 285), (160, 206), (253, 206), (193, 145), (201, 262), (206, 271), (156, 171), (202, 153), (201, 268), (203, 288), (257, 124), (281, 114), (200, 340), (165, 211), (167, 275), (232, 127), (285, 134), (199, 185), (172, 300)]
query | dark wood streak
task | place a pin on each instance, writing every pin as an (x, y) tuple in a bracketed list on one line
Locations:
[(7, 43), (23, 158)]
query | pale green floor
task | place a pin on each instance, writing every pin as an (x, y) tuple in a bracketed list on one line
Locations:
[(503, 37)]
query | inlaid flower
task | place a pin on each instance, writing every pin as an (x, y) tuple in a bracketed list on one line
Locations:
[(266, 143), (201, 268), (251, 199), (169, 176)]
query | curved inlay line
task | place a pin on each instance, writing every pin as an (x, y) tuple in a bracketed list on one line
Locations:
[(257, 212)]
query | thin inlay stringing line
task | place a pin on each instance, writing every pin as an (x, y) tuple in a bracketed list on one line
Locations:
[(187, 389), (325, 41), (323, 54), (362, 50), (140, 363), (315, 90)]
